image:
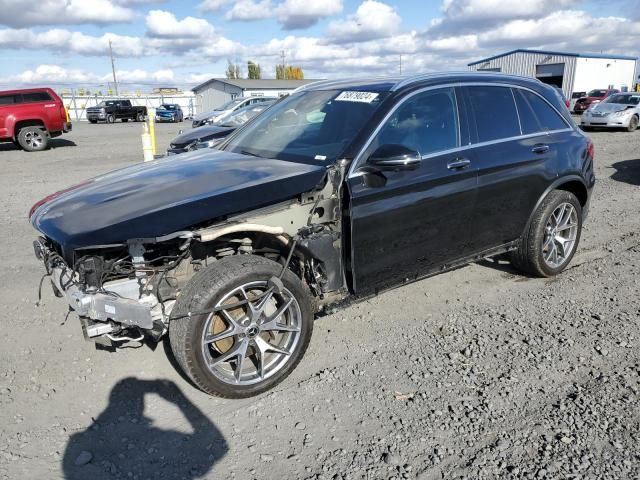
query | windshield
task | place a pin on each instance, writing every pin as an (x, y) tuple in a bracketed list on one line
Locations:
[(308, 127), (597, 93), (242, 116), (106, 104), (230, 104), (167, 107), (624, 99)]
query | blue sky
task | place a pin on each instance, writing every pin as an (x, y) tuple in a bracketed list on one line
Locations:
[(172, 42)]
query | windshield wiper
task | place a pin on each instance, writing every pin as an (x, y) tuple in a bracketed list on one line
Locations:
[(244, 152)]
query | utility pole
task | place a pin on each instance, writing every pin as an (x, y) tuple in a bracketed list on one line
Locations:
[(113, 68), (282, 56)]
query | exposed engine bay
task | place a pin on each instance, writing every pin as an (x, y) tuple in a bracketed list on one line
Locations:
[(124, 294)]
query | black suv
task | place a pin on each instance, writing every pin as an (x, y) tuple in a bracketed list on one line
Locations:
[(335, 193)]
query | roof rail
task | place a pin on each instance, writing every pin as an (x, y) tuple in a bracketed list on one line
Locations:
[(307, 85), (425, 76)]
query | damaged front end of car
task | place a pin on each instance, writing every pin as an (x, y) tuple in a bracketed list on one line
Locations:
[(124, 293)]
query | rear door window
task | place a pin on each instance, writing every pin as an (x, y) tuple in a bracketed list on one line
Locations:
[(36, 97), (536, 115), (9, 99), (494, 112)]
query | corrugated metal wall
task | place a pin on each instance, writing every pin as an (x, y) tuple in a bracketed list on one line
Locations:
[(216, 94), (523, 63)]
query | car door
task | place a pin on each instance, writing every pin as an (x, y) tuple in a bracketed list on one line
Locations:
[(515, 153), (407, 223)]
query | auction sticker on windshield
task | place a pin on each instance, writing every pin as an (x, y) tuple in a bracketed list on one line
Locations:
[(364, 97)]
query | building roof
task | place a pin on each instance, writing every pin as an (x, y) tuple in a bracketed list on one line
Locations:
[(265, 84), (564, 54)]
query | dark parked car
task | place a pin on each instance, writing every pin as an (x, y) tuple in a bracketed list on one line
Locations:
[(209, 136), (30, 117), (594, 96), (339, 191), (111, 110), (169, 112)]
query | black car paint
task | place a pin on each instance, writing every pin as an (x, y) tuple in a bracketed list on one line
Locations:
[(168, 195), (398, 225), (198, 134)]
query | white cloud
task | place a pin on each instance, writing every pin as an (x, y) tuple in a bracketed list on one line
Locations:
[(51, 75), (250, 10), (372, 20), (23, 13), (211, 5), (299, 14), (163, 24)]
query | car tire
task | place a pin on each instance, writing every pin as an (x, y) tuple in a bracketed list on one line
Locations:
[(125, 120), (111, 118), (556, 225), (213, 365), (93, 121), (33, 139), (633, 124), (140, 117)]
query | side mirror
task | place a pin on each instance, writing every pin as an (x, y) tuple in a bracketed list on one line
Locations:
[(394, 157)]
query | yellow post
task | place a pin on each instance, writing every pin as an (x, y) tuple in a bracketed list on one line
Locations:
[(151, 116), (147, 149)]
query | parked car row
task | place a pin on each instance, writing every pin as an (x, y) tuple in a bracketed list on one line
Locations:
[(213, 116), (211, 135)]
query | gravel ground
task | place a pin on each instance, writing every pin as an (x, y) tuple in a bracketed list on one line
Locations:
[(477, 373)]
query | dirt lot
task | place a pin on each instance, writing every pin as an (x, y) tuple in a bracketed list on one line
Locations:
[(477, 373)]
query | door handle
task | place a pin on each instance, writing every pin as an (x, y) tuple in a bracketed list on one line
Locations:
[(540, 149), (459, 164)]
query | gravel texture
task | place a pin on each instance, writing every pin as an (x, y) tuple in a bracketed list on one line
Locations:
[(473, 374)]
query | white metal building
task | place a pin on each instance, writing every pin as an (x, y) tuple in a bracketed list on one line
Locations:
[(573, 72), (216, 91)]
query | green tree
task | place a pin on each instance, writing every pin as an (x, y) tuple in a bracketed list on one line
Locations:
[(254, 72)]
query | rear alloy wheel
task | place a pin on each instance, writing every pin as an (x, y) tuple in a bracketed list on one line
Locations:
[(553, 236), (633, 124), (111, 118), (33, 139), (257, 333)]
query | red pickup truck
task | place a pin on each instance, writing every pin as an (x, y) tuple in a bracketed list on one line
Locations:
[(30, 117)]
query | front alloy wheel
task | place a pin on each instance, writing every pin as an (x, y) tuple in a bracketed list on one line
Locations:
[(251, 330)]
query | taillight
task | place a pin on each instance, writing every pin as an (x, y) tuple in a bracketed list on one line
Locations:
[(48, 198), (590, 150), (567, 103)]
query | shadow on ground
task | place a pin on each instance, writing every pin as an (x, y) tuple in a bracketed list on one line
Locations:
[(627, 171), (124, 442), (53, 143)]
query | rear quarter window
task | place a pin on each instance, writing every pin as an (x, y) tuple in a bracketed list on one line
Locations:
[(494, 112), (36, 97), (8, 99), (536, 115)]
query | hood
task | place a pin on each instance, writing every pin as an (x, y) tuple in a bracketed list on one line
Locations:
[(603, 107), (207, 132), (166, 113), (205, 115), (167, 195)]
